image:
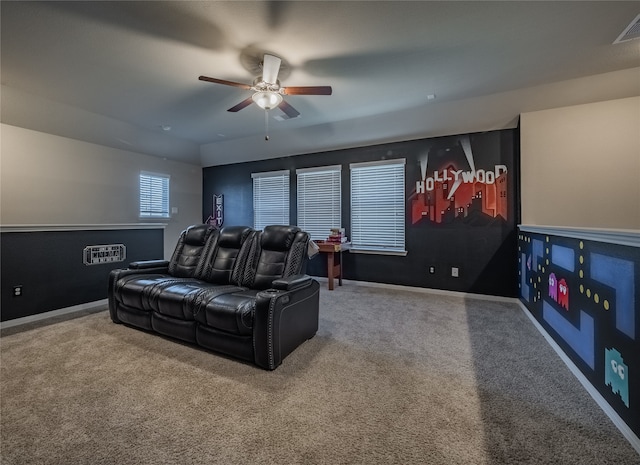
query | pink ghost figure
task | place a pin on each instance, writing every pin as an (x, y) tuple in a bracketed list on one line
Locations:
[(553, 287), (563, 294)]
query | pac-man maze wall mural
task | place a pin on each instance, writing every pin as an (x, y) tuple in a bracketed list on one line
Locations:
[(585, 294)]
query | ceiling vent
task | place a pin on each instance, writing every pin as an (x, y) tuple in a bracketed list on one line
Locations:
[(632, 31)]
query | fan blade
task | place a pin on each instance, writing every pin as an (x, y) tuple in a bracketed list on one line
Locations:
[(270, 68), (288, 110), (311, 90), (245, 103), (226, 83)]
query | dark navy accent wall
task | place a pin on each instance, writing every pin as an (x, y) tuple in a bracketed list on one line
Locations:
[(482, 247), (49, 267)]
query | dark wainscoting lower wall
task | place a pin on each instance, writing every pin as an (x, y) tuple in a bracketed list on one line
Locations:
[(49, 266), (583, 287), (483, 246)]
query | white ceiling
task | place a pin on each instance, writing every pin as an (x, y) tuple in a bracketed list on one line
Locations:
[(114, 73)]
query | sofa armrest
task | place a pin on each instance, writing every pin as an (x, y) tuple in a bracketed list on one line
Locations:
[(146, 264), (284, 319), (292, 283)]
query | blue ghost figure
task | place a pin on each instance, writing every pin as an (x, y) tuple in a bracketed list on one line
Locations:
[(616, 374)]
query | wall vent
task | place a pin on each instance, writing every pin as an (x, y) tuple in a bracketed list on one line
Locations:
[(632, 31)]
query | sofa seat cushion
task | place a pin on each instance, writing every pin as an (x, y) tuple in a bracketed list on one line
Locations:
[(232, 313), (138, 290), (182, 300)]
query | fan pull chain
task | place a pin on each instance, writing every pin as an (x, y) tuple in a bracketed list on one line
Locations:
[(266, 125)]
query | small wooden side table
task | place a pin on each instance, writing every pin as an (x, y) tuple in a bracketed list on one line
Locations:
[(334, 267)]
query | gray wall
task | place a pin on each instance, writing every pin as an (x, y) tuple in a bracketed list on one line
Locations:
[(53, 180), (581, 165)]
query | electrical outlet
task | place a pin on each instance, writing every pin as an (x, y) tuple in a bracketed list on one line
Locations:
[(432, 269), (17, 291), (454, 271)]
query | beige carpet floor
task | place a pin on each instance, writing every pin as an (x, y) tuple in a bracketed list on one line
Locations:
[(392, 377)]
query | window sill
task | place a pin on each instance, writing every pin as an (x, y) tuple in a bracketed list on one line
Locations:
[(397, 253), (155, 218)]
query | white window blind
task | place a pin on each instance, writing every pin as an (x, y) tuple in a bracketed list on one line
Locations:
[(377, 206), (154, 195), (319, 197), (270, 198)]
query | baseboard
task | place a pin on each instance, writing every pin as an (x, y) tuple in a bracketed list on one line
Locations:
[(52, 313), (593, 392), (426, 290)]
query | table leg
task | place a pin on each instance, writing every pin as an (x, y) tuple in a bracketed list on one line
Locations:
[(330, 269), (340, 268)]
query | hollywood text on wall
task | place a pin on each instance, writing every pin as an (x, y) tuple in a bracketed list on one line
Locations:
[(454, 190)]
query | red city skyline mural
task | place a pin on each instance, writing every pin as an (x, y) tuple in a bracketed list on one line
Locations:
[(455, 193)]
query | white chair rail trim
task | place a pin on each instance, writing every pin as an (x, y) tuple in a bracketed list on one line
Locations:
[(78, 227), (630, 237)]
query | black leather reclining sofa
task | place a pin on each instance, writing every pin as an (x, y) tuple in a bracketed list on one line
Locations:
[(236, 290)]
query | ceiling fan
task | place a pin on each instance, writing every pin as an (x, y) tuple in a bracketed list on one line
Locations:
[(267, 91)]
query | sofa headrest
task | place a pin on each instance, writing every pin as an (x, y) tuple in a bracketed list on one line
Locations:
[(276, 237), (197, 234), (233, 236)]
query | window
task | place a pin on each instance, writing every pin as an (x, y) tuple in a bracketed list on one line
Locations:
[(319, 200), (270, 198), (154, 195), (377, 206)]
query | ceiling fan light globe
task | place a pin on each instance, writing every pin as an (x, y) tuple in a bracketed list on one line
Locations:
[(267, 100)]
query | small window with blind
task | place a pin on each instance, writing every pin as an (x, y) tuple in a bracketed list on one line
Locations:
[(378, 207), (154, 195), (319, 197), (270, 198)]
